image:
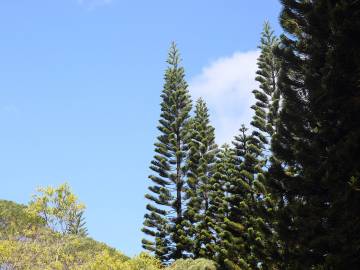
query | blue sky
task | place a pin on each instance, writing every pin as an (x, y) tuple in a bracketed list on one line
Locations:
[(80, 85)]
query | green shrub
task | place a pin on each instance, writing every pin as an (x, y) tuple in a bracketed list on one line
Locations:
[(190, 264)]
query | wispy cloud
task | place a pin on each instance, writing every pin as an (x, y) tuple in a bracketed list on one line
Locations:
[(10, 110), (226, 86), (94, 3)]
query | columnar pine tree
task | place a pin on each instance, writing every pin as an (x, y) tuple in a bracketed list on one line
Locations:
[(164, 222), (240, 196), (224, 172), (319, 133), (248, 236), (264, 121), (202, 151), (266, 108)]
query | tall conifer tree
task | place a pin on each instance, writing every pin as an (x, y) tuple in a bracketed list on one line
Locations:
[(224, 172), (319, 133), (266, 115), (248, 236), (201, 161), (238, 229), (266, 108), (164, 222)]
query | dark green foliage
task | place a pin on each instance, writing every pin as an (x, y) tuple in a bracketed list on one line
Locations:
[(247, 239), (202, 151), (265, 119), (224, 172), (266, 108), (286, 196), (318, 134), (77, 224), (164, 222), (240, 196)]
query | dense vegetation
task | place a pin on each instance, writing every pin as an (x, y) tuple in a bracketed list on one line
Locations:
[(45, 235), (285, 193)]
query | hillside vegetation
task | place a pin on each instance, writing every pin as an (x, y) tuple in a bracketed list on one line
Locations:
[(27, 242)]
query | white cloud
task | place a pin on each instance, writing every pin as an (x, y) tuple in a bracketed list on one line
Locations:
[(226, 86)]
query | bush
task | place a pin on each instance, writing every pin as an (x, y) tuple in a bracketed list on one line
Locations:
[(190, 264)]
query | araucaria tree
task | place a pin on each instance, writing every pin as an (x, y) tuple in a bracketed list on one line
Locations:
[(319, 134), (202, 152), (265, 120), (240, 234), (224, 172), (267, 97), (250, 238), (164, 221)]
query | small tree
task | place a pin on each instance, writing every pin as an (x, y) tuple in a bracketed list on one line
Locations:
[(60, 209)]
